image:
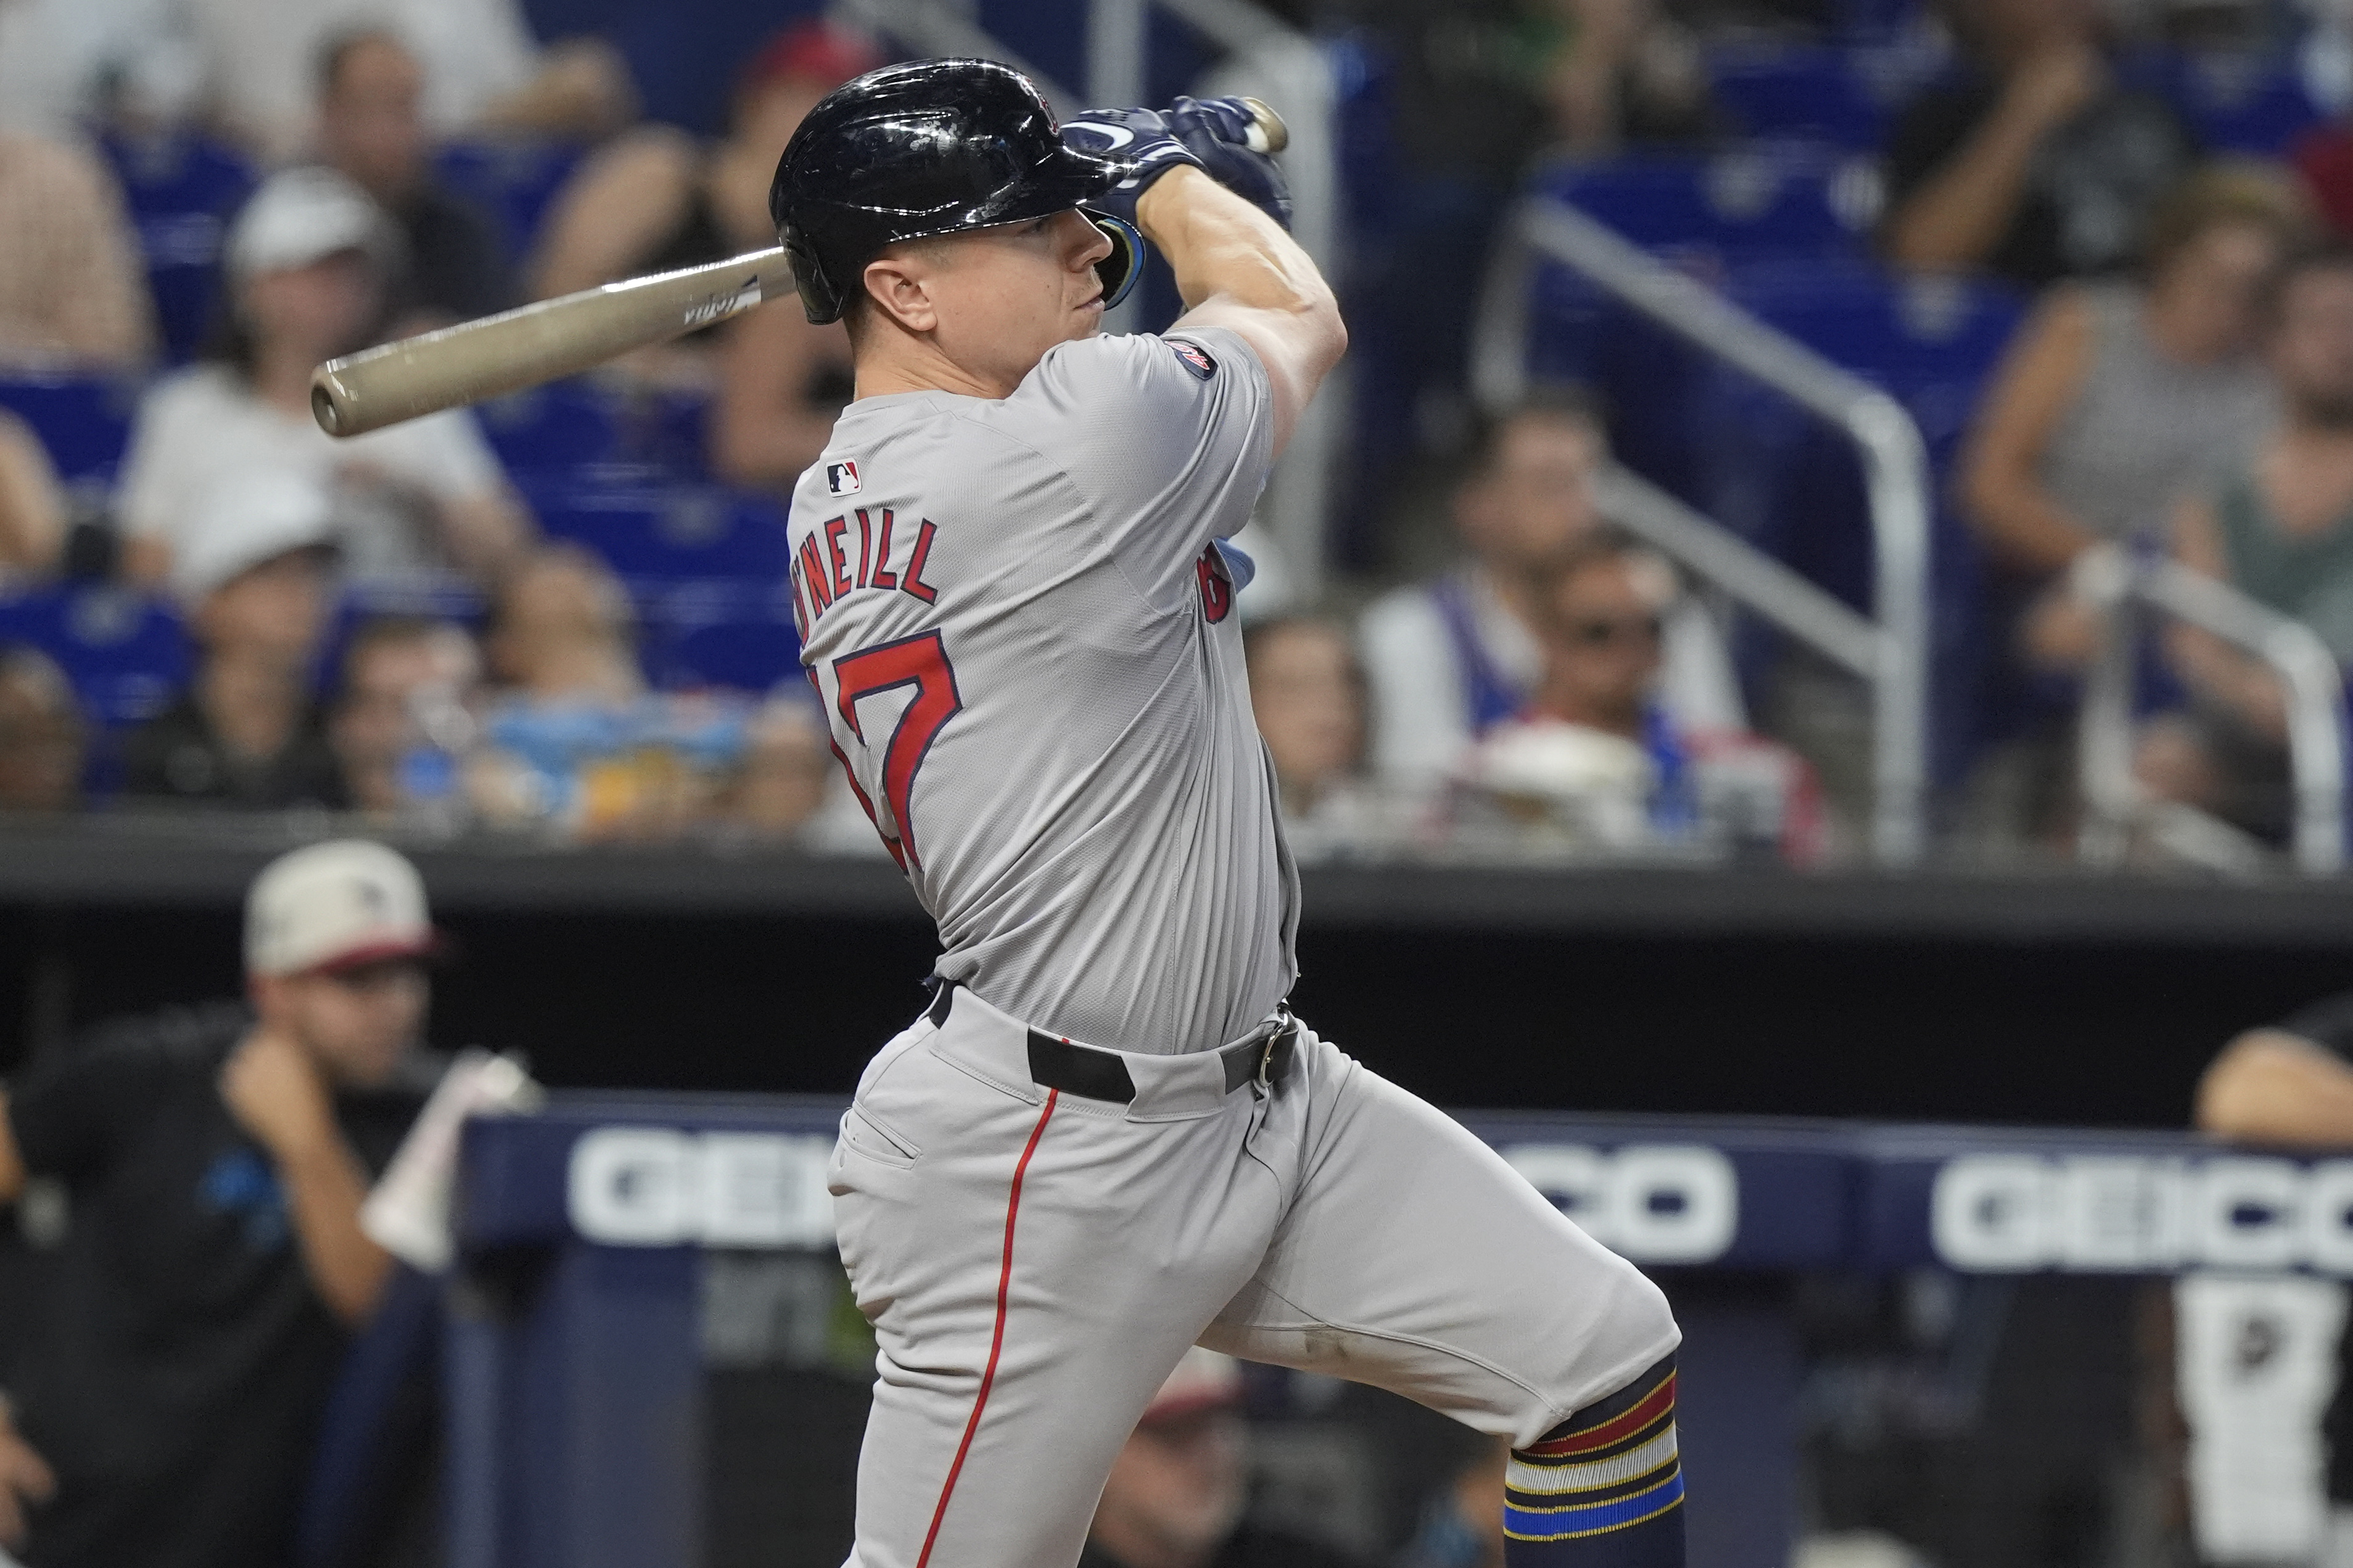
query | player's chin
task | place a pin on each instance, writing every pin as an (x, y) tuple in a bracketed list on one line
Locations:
[(1086, 319)]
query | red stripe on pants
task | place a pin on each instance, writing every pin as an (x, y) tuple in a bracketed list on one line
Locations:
[(997, 1340)]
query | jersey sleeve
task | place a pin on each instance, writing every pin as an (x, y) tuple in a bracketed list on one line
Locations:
[(1167, 439)]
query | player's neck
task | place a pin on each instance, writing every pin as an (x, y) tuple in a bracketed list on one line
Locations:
[(892, 362)]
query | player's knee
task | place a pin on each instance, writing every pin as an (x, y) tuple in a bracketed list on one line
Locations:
[(1605, 1488)]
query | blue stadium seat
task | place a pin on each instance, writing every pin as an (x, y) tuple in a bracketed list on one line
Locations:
[(2251, 102), (669, 531), (1762, 199), (568, 425), (84, 422), (732, 635), (181, 192), (1807, 91), (126, 654), (515, 181)]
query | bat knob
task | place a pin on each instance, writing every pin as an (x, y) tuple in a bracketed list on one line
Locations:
[(1268, 133)]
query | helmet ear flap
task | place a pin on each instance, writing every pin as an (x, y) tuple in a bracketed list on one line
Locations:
[(1120, 269), (820, 301)]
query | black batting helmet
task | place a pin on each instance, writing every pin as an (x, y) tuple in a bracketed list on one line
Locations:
[(928, 148)]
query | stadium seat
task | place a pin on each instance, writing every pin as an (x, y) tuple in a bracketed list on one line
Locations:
[(513, 181), (182, 191), (2247, 101), (1759, 199), (125, 654), (569, 426), (669, 531), (743, 641), (83, 422), (1808, 90)]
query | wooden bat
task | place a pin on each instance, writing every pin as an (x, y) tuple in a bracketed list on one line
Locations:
[(555, 338)]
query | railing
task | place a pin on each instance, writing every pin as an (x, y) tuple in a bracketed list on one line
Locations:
[(1888, 649), (2117, 584)]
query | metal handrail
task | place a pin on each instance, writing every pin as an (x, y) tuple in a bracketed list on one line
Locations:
[(1895, 463), (2115, 583)]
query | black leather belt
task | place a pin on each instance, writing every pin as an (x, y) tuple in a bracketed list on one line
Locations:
[(1264, 1058)]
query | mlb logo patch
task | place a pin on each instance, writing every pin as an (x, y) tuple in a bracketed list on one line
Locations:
[(1194, 358), (841, 479)]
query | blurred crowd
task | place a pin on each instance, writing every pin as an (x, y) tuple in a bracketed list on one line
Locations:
[(388, 624)]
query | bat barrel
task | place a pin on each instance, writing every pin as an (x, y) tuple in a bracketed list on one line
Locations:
[(536, 344)]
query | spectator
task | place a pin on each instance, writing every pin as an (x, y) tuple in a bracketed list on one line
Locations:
[(31, 505), (69, 63), (484, 73), (576, 740), (1626, 72), (217, 1158), (72, 293), (309, 260), (400, 675), (786, 775), (656, 200), (1176, 1494), (1451, 658), (2114, 401), (2277, 525), (1594, 753), (43, 739), (372, 131), (256, 582), (2118, 396), (1308, 695), (2033, 161)]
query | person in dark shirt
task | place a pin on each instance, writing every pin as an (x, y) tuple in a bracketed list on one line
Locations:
[(246, 731), (371, 128), (1176, 1491), (2031, 162), (216, 1160)]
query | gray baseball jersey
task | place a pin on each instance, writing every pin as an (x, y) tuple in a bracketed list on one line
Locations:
[(1021, 628)]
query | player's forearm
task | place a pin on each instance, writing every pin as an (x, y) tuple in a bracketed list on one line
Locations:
[(1221, 246), (325, 1186)]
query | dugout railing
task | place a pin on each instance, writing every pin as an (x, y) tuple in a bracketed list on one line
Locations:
[(2126, 587), (1888, 649)]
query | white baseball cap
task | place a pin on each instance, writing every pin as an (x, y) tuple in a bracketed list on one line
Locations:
[(302, 216), (335, 905), (244, 520)]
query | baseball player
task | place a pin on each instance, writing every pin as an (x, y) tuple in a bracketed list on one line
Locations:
[(1105, 1140)]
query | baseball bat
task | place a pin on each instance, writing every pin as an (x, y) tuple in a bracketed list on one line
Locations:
[(554, 338)]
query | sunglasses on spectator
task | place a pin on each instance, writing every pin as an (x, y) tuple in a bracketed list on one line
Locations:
[(1603, 631)]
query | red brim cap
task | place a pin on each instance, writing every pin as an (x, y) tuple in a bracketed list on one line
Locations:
[(429, 944)]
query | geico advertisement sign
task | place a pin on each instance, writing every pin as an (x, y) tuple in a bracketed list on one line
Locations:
[(2007, 1213), (1652, 1203), (655, 1186)]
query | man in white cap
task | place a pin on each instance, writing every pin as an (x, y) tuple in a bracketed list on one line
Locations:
[(255, 581), (216, 1160), (1177, 1490), (309, 264)]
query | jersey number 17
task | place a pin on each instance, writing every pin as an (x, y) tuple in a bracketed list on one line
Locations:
[(920, 661)]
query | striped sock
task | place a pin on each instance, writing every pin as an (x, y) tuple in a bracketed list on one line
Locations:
[(1605, 1488)]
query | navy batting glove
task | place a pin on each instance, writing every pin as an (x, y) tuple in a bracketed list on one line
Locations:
[(1220, 132), (1140, 137)]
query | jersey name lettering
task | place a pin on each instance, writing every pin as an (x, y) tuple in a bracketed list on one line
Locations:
[(822, 566)]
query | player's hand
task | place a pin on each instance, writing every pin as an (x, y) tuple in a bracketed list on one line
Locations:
[(1225, 136), (25, 1479), (1140, 138), (275, 1093)]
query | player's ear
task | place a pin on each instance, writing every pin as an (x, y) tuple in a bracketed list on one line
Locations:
[(899, 291)]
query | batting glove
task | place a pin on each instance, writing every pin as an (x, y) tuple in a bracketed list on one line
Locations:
[(1223, 134), (1140, 137)]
